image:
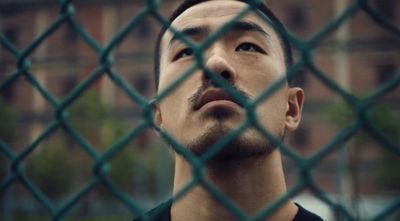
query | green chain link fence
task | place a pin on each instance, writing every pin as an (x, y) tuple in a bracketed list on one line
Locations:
[(304, 165)]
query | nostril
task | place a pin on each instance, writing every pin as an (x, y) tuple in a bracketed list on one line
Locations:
[(226, 74), (207, 74)]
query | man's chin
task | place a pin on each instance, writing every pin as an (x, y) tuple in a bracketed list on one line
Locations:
[(242, 147)]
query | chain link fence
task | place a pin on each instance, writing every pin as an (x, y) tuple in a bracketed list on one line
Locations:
[(16, 171)]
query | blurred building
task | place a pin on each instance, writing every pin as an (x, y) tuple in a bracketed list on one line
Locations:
[(360, 56)]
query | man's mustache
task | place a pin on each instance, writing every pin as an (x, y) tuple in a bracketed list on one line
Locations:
[(195, 98)]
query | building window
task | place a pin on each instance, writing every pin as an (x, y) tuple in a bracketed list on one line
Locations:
[(68, 83), (386, 8), (301, 137), (143, 29), (385, 73), (300, 78), (297, 17), (12, 34), (70, 35), (141, 82), (10, 9), (8, 94)]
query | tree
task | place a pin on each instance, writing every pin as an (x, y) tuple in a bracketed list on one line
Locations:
[(382, 118), (93, 120), (7, 132), (52, 170), (8, 122)]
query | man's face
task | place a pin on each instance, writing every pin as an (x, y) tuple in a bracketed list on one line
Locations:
[(249, 56)]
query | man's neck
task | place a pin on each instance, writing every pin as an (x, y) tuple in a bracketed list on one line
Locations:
[(251, 184)]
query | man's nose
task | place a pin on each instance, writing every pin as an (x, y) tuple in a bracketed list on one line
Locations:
[(218, 64)]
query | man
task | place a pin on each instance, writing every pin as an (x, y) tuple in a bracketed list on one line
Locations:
[(250, 56)]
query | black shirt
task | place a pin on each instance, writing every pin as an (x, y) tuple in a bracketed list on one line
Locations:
[(163, 213)]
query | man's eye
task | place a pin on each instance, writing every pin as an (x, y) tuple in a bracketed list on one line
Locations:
[(248, 47), (184, 53)]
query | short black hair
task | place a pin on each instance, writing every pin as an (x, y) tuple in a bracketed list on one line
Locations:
[(189, 3)]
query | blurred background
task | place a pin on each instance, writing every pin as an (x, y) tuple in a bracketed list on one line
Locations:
[(361, 56)]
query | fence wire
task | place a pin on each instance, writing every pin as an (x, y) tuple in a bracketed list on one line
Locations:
[(104, 68)]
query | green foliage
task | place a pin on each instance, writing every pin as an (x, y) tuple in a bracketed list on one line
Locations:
[(55, 174), (94, 121), (53, 170), (341, 115), (7, 132), (8, 122), (88, 114), (122, 169), (381, 117), (388, 176), (97, 123)]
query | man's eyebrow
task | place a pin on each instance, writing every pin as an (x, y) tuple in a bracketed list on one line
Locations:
[(191, 31), (248, 26), (204, 30)]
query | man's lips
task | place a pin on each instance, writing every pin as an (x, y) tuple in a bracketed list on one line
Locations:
[(214, 95)]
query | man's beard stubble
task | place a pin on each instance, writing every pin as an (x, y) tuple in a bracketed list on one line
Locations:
[(242, 147), (245, 145)]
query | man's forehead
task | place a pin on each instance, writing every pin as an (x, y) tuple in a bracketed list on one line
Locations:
[(214, 8), (211, 13)]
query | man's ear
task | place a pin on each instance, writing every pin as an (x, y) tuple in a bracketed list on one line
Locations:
[(157, 116), (295, 106)]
